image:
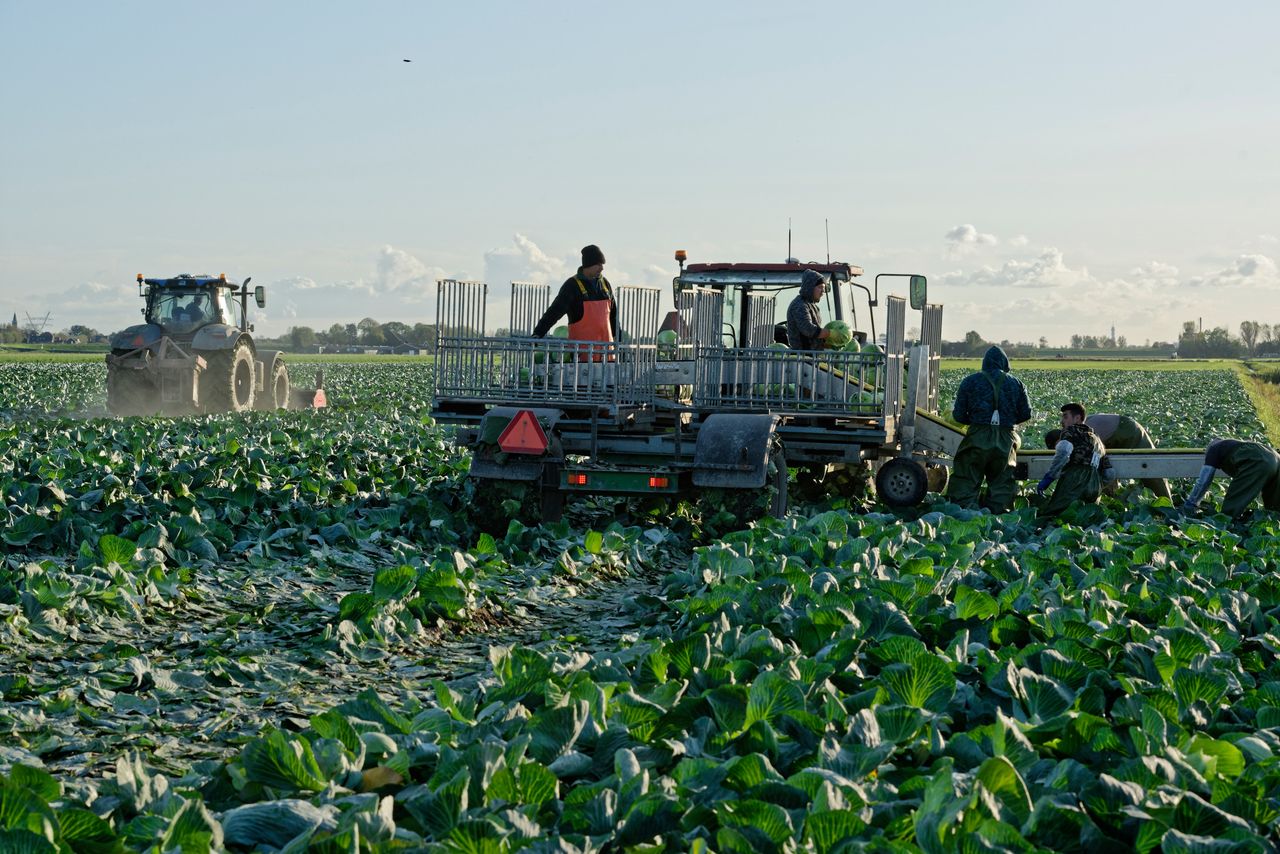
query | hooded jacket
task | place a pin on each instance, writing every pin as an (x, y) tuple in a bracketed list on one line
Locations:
[(804, 322), (975, 399)]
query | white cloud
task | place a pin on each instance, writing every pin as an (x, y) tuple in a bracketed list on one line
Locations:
[(1269, 239), (969, 234), (1019, 240), (1246, 270), (524, 261), (1155, 273), (1047, 270)]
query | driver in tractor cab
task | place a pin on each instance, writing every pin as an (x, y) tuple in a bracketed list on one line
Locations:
[(587, 298), (192, 313), (804, 321)]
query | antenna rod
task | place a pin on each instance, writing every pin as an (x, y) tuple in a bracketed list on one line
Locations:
[(788, 240), (826, 226)]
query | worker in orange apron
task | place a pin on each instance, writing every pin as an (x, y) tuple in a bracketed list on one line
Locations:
[(587, 299)]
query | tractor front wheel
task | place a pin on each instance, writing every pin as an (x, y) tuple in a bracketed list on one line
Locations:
[(227, 383)]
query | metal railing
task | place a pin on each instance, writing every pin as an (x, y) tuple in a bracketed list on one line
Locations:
[(760, 311), (701, 311), (894, 333), (762, 379), (544, 370), (460, 308), (931, 336), (638, 313), (529, 301)]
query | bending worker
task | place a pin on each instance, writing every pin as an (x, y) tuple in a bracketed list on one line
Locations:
[(991, 402), (1079, 466), (1254, 469), (587, 298), (1120, 433), (804, 321)]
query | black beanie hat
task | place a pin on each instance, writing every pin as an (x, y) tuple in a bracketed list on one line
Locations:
[(591, 255)]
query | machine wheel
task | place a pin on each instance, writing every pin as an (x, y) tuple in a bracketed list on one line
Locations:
[(129, 393), (227, 384), (902, 482), (939, 477), (275, 392)]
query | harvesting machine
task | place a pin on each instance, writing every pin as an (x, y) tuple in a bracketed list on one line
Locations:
[(196, 353), (718, 405)]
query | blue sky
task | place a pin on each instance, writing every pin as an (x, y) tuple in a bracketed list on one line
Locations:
[(1052, 169)]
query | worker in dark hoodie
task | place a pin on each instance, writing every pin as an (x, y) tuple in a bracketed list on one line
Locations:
[(804, 321), (588, 300), (990, 402)]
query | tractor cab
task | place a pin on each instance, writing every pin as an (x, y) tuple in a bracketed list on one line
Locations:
[(756, 298), (183, 305)]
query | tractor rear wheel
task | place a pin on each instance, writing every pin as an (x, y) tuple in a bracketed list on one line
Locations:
[(129, 393), (275, 394), (227, 384)]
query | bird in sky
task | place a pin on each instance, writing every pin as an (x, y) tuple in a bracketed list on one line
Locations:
[(408, 60)]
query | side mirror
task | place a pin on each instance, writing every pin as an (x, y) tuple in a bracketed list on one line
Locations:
[(260, 296), (919, 292)]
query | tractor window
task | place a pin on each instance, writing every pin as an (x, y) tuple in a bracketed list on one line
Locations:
[(181, 311), (232, 312)]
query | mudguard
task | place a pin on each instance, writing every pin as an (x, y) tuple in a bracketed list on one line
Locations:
[(219, 336), (141, 335), (733, 451)]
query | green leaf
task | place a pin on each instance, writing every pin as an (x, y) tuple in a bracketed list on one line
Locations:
[(39, 782), (827, 829), (772, 695), (974, 603), (22, 841), (770, 819), (1192, 686), (281, 762), (1228, 760), (594, 542), (555, 731), (1012, 799), (116, 550), (392, 583), (927, 683)]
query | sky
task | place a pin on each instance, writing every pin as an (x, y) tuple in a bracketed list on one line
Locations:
[(1052, 169)]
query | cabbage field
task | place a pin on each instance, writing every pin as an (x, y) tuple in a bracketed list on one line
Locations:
[(286, 632)]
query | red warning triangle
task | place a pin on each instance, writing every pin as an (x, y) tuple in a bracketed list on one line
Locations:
[(524, 435)]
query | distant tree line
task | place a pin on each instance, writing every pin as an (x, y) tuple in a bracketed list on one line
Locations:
[(1255, 339), (363, 334)]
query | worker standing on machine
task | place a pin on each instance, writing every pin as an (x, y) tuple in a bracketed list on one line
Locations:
[(804, 321), (587, 298), (1254, 469), (1120, 433), (1079, 464), (990, 401)]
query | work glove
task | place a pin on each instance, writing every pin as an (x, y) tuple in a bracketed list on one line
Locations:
[(1043, 484)]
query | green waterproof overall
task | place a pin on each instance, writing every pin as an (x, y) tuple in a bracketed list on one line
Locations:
[(1078, 482), (1254, 470), (987, 452), (1130, 435)]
